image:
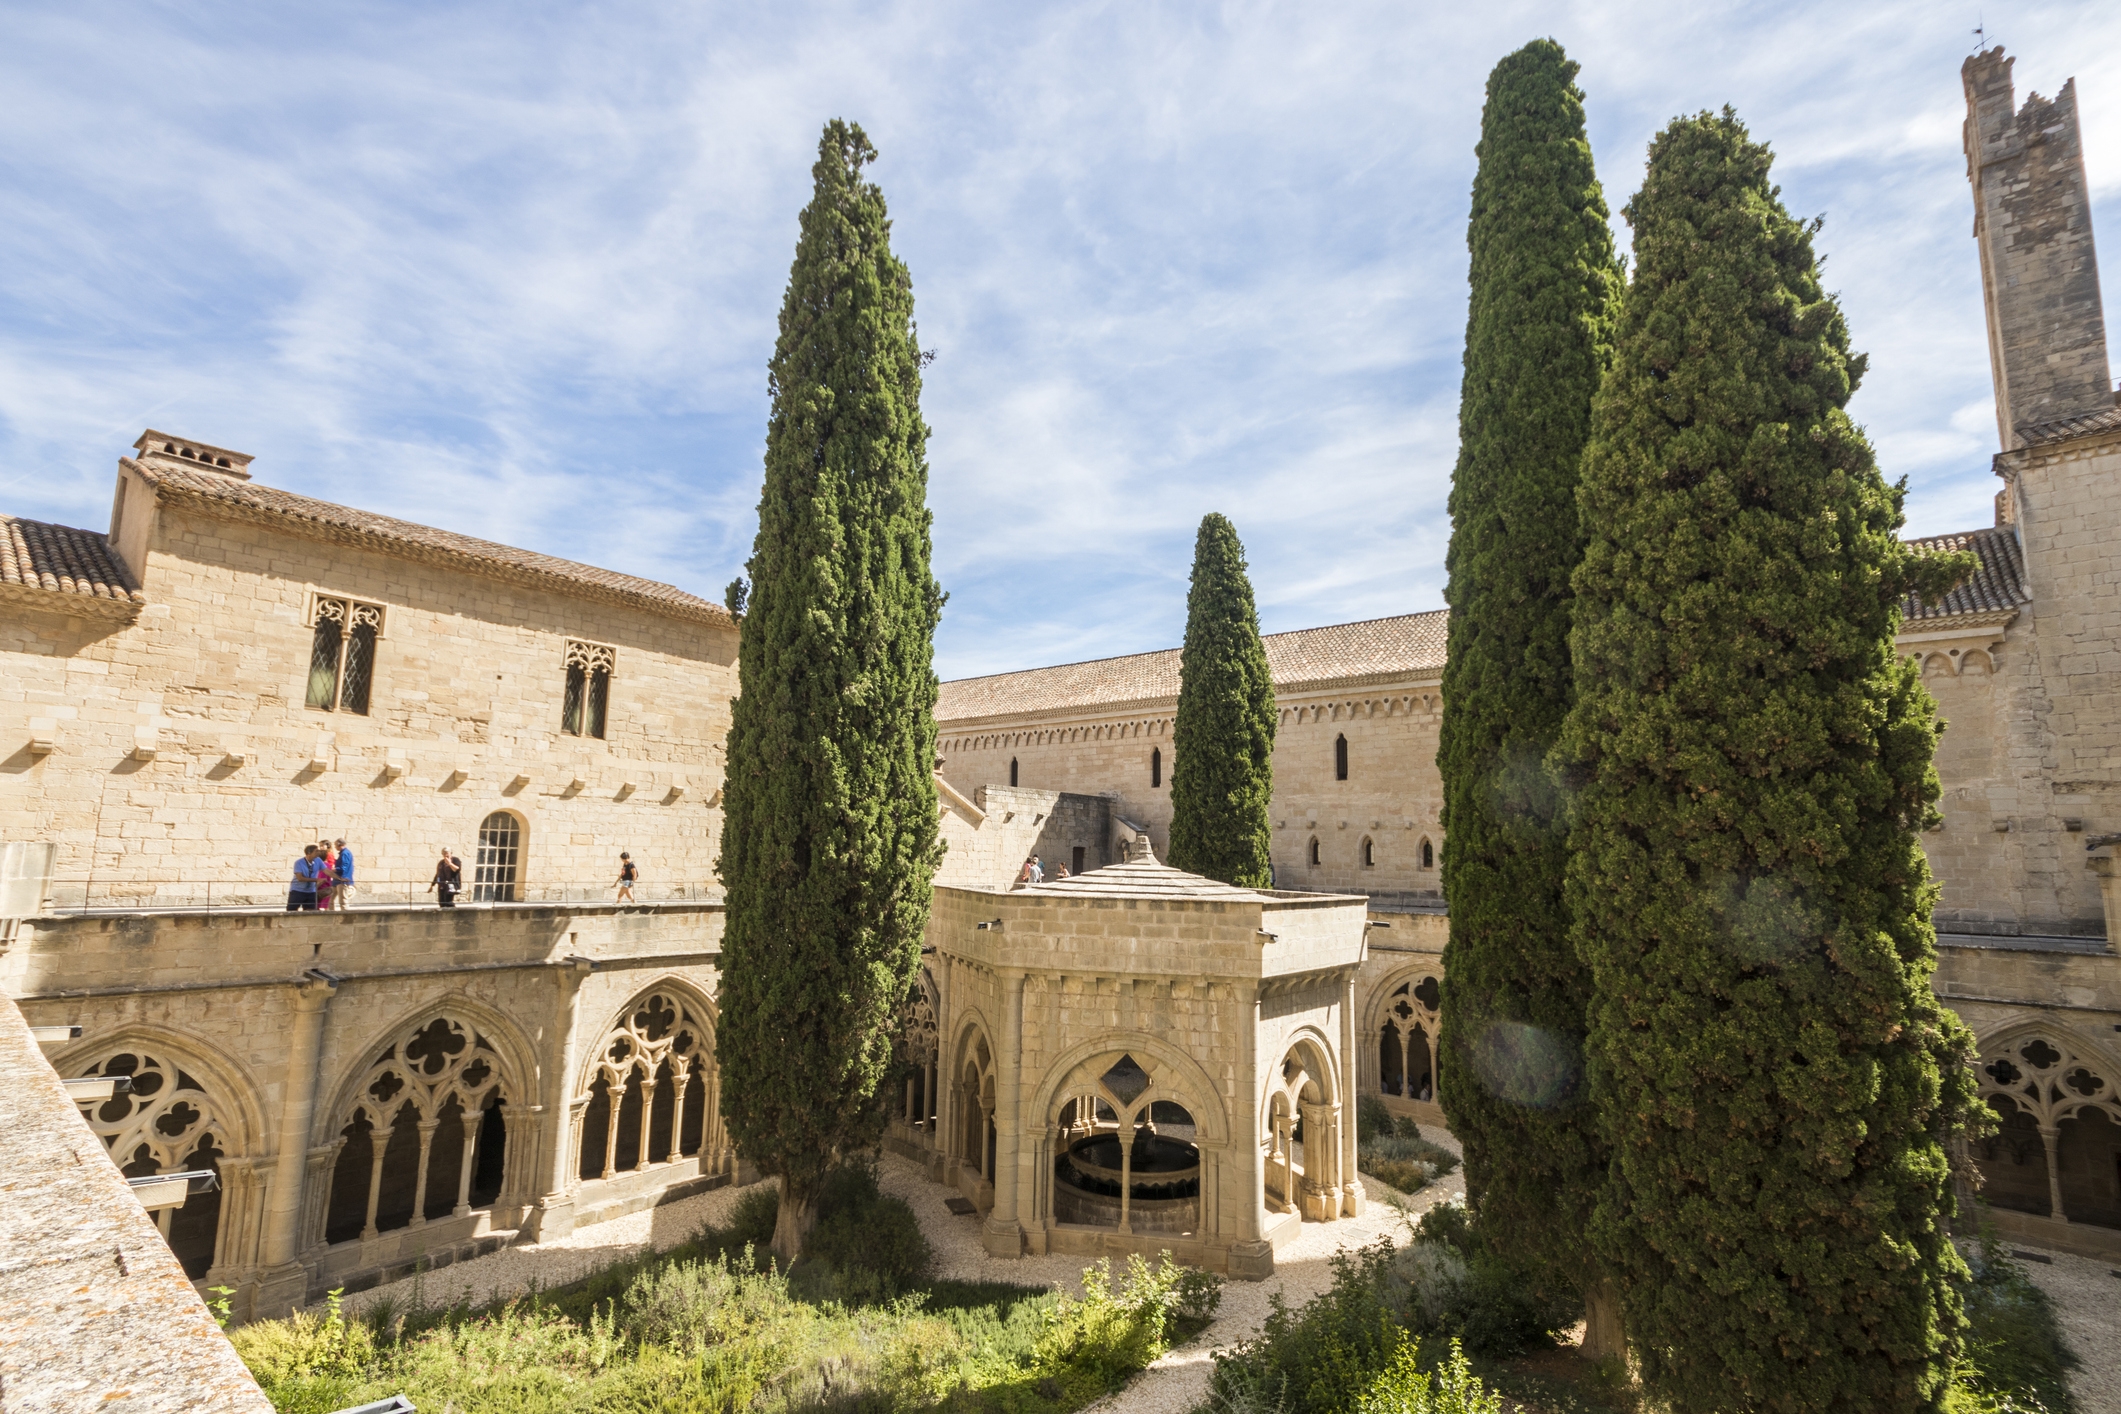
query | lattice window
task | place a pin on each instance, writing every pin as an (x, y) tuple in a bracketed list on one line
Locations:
[(658, 1060), (167, 1124), (2043, 1076), (497, 864), (588, 699), (424, 1136), (342, 654), (1406, 1041)]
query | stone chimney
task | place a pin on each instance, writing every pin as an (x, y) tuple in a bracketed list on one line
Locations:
[(163, 449), (2039, 276)]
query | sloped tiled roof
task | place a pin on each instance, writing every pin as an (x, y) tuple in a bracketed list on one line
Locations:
[(64, 560), (1146, 877), (1997, 587), (1406, 643), (249, 500), (2104, 420)]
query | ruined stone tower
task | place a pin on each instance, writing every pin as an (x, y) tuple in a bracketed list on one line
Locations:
[(2039, 276)]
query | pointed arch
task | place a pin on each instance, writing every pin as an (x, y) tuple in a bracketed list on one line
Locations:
[(648, 1091)]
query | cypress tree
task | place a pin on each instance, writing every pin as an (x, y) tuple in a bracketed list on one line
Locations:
[(829, 843), (1538, 336), (1745, 880), (1222, 777)]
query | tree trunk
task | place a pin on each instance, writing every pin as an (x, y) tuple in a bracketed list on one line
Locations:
[(1603, 1337), (792, 1228)]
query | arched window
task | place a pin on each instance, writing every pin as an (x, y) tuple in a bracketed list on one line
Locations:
[(1428, 855), (1012, 770), (1369, 853), (1340, 758), (494, 870), (1156, 766), (166, 1124), (1314, 851), (426, 1138), (650, 1099)]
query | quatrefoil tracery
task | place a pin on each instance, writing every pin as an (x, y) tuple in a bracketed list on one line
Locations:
[(436, 1061)]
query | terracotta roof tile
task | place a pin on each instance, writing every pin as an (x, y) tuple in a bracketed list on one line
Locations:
[(251, 500), (2104, 420), (1408, 643), (64, 560), (1997, 587)]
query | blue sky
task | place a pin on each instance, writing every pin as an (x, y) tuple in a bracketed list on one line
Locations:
[(514, 269)]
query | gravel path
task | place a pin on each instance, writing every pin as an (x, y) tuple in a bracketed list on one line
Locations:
[(2087, 1299)]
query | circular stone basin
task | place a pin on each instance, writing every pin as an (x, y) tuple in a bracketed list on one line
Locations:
[(1157, 1162)]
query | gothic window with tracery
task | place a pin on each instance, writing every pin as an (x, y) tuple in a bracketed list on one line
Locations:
[(658, 1060), (1406, 1040), (425, 1137), (166, 1124), (2057, 1147), (342, 654), (920, 1043), (589, 667)]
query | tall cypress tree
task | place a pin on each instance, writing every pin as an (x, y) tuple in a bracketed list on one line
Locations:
[(1222, 777), (829, 843), (1538, 336), (1745, 880)]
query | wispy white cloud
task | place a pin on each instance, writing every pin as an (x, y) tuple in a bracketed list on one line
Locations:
[(515, 269)]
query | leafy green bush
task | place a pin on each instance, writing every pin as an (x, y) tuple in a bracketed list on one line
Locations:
[(1094, 1344), (1320, 1358), (750, 1225), (1372, 1118), (1403, 1158), (2016, 1358), (1450, 1283), (870, 1244), (1406, 1388)]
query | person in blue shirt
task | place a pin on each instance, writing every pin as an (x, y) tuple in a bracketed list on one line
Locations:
[(302, 889), (345, 862)]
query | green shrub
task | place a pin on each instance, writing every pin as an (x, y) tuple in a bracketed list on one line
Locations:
[(1450, 1283), (867, 1246), (1320, 1358), (2015, 1352), (1403, 1159), (750, 1224), (1406, 1388), (1371, 1118), (1093, 1345)]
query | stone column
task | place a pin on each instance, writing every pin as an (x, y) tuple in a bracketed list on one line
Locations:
[(1344, 1121), (283, 1282), (553, 1215), (1250, 1254), (1004, 1235), (419, 1186), (647, 1119), (2051, 1138), (2102, 864), (472, 1119), (1126, 1176), (378, 1141)]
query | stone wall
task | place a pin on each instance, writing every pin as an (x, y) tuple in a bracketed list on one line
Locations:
[(186, 769), (273, 1021), (95, 1313), (1392, 797)]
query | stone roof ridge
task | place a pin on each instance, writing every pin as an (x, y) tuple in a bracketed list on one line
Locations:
[(63, 559), (1398, 643), (251, 500), (1998, 586)]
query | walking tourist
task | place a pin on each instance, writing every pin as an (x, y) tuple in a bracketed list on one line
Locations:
[(628, 876), (449, 877), (1023, 876), (302, 888), (327, 874), (345, 863), (1038, 870)]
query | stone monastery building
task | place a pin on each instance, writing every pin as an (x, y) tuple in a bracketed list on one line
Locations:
[(1131, 1058)]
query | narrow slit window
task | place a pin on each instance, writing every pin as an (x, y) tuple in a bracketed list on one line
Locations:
[(1340, 758), (1369, 854), (1314, 850), (588, 697), (1156, 766), (342, 655), (1012, 770), (1428, 855)]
